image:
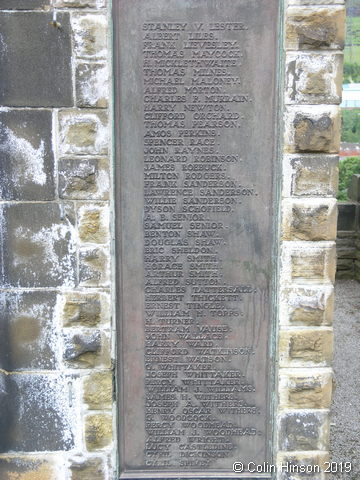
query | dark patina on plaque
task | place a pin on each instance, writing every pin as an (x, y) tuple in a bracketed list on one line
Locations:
[(195, 134)]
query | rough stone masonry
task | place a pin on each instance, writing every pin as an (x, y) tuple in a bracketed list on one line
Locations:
[(57, 323)]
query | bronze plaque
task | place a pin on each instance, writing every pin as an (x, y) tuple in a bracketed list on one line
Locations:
[(196, 223)]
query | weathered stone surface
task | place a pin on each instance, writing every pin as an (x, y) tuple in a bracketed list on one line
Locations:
[(98, 390), (28, 333), (94, 267), (315, 28), (87, 309), (312, 266), (94, 223), (298, 347), (92, 85), (345, 264), (312, 129), (357, 270), (98, 431), (309, 263), (312, 464), (82, 348), (22, 4), (347, 216), (81, 3), (299, 389), (309, 219), (43, 79), (345, 274), (38, 248), (83, 132), (345, 252), (90, 36), (85, 179), (310, 306), (310, 175), (354, 189), (27, 161), (34, 403), (87, 469), (301, 431), (28, 468), (313, 78), (315, 346)]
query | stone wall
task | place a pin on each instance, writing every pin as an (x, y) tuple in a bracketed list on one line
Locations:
[(57, 339), (56, 353), (348, 234), (314, 38)]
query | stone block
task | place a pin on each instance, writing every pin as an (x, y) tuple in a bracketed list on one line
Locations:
[(345, 253), (347, 213), (28, 333), (92, 85), (83, 348), (345, 274), (303, 347), (83, 132), (310, 306), (98, 390), (29, 468), (84, 179), (90, 36), (87, 469), (27, 160), (94, 223), (345, 268), (310, 175), (84, 309), (312, 129), (302, 465), (315, 28), (301, 431), (38, 248), (316, 2), (313, 78), (94, 268), (308, 262), (80, 3), (33, 405), (31, 75), (98, 432), (354, 189), (357, 271), (305, 390), (309, 219), (23, 4)]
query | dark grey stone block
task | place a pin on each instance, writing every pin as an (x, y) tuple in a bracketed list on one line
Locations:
[(80, 344), (22, 4), (37, 248), (26, 155), (36, 414), (354, 189), (346, 216), (35, 60), (28, 333), (301, 431), (84, 179)]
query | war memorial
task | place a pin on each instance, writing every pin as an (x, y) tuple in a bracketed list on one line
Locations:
[(168, 219)]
